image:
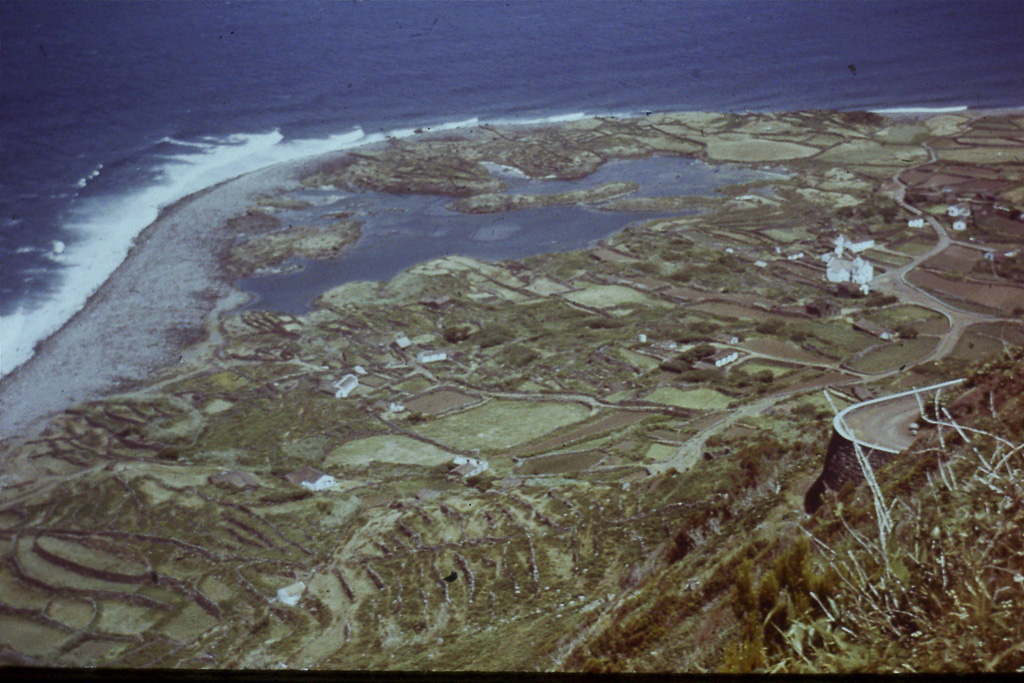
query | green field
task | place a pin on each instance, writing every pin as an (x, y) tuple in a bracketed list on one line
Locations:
[(894, 356), (392, 449), (897, 315), (757, 366), (502, 424), (696, 399)]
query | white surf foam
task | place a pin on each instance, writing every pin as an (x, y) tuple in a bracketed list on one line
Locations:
[(557, 118), (104, 228), (920, 110)]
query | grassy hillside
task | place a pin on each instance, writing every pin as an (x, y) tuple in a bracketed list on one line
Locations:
[(936, 584)]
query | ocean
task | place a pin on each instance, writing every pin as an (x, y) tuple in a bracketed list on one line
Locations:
[(110, 111)]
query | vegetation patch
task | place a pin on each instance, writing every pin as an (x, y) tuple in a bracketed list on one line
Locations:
[(497, 425), (696, 399)]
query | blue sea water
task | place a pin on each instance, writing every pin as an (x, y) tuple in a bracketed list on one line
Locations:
[(109, 111)]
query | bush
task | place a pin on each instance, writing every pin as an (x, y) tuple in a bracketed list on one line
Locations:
[(906, 331), (698, 352), (605, 323), (797, 335), (518, 356), (492, 336), (771, 326), (875, 299), (453, 334)]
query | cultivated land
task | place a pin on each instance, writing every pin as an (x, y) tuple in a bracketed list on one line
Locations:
[(629, 480)]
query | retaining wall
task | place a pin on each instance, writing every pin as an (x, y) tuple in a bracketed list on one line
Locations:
[(840, 467)]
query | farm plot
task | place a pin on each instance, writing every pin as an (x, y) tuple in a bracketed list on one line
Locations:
[(498, 425), (986, 295), (893, 356), (729, 147), (440, 400), (390, 449), (608, 421), (695, 399), (777, 370), (986, 339), (836, 338), (954, 259), (725, 309), (610, 296), (898, 315), (561, 463), (777, 348)]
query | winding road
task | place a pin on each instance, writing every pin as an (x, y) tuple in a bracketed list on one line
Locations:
[(884, 423)]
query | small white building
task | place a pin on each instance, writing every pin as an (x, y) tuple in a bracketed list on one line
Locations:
[(359, 370), (468, 467), (858, 247), (915, 223), (289, 595), (396, 407), (312, 479), (324, 482), (796, 257), (402, 341), (723, 357), (642, 338), (345, 386), (959, 226), (958, 211), (431, 356), (761, 264)]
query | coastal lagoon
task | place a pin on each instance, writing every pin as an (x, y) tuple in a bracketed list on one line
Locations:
[(399, 231)]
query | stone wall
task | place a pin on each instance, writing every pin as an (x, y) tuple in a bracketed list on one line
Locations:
[(840, 467)]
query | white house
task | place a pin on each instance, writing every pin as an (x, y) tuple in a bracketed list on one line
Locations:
[(761, 264), (959, 225), (796, 257), (396, 407), (312, 479), (724, 357), (345, 386), (468, 467), (431, 356), (915, 223), (958, 210), (359, 370), (290, 595), (857, 247), (324, 482), (642, 338), (403, 341)]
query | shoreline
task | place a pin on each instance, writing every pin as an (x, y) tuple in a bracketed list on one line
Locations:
[(137, 321), (151, 307), (142, 316)]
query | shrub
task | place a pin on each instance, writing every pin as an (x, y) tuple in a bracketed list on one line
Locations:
[(599, 323), (906, 331), (453, 334), (492, 336), (517, 356)]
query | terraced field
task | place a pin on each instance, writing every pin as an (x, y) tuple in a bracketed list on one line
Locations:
[(155, 526)]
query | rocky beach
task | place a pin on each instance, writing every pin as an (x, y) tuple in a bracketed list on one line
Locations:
[(144, 314)]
